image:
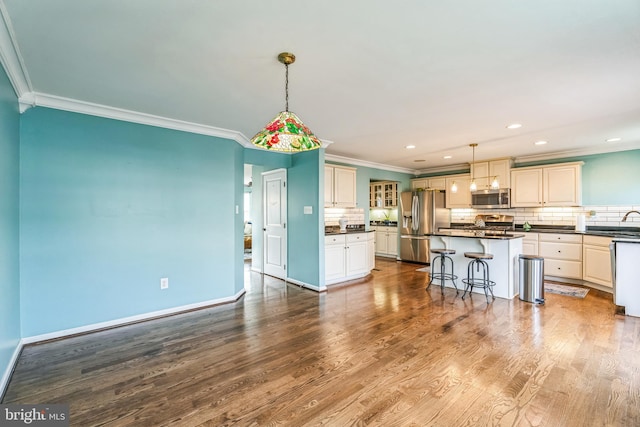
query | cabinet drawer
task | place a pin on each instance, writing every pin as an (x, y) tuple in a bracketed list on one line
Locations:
[(358, 237), (335, 240), (596, 240), (530, 238), (565, 238), (569, 269), (563, 251)]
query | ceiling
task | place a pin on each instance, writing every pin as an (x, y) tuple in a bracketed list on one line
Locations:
[(371, 76)]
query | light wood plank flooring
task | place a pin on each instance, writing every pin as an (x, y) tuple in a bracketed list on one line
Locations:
[(381, 351)]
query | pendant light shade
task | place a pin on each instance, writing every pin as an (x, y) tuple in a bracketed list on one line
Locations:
[(495, 184), (286, 132)]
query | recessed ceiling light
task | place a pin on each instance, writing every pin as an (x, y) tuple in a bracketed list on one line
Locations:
[(613, 140), (420, 160), (409, 147), (540, 142), (446, 157), (514, 126)]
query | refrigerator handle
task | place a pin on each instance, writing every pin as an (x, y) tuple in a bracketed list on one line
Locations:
[(415, 213)]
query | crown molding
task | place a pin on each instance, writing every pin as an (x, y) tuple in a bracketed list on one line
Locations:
[(557, 155), (34, 99), (10, 56), (358, 162), (449, 168)]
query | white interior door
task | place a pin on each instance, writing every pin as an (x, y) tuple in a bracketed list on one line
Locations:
[(275, 223)]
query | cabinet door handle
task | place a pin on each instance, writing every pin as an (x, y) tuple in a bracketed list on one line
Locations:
[(559, 252)]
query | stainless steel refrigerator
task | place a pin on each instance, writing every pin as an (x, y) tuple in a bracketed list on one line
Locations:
[(422, 212)]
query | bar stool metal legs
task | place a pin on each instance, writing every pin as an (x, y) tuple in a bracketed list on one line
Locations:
[(439, 270), (478, 274)]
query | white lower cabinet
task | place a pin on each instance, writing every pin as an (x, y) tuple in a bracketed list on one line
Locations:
[(562, 254), (572, 256), (335, 261), (387, 241), (596, 260), (347, 256), (356, 252)]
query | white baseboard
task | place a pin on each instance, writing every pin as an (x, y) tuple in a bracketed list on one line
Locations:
[(6, 376), (126, 320), (306, 285)]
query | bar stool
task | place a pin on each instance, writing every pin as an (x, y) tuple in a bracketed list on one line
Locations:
[(442, 274), (478, 262)]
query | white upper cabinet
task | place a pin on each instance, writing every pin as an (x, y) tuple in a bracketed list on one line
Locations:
[(436, 183), (526, 189), (339, 187), (485, 172), (462, 197), (459, 199), (562, 185), (419, 183), (554, 185)]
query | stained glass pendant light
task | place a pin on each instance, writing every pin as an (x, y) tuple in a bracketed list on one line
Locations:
[(286, 132)]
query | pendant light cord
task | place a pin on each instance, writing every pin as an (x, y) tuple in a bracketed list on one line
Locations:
[(286, 87)]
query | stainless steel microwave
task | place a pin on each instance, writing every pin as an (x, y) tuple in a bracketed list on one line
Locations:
[(491, 199)]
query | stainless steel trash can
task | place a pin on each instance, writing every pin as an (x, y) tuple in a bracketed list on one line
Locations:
[(531, 278)]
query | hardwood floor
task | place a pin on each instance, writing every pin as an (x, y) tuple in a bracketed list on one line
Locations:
[(381, 351)]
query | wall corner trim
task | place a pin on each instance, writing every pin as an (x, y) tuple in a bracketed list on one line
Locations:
[(6, 376)]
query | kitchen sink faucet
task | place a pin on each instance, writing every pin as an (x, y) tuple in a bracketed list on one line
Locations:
[(624, 218)]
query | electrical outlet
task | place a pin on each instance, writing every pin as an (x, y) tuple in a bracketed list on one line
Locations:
[(164, 283)]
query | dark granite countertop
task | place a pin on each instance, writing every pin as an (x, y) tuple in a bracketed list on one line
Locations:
[(333, 232), (474, 234), (330, 230), (617, 232)]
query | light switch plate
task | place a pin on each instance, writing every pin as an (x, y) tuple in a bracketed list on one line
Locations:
[(308, 210)]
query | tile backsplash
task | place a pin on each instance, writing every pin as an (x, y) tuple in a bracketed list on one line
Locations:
[(598, 216), (353, 215)]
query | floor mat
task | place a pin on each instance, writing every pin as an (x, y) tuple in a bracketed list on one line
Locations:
[(571, 291)]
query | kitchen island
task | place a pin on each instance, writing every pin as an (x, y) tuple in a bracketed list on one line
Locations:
[(503, 268)]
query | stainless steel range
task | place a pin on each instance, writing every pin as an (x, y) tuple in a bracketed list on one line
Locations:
[(490, 224)]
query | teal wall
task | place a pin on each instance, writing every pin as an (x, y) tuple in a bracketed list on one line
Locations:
[(266, 159), (109, 207), (9, 224), (306, 232)]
